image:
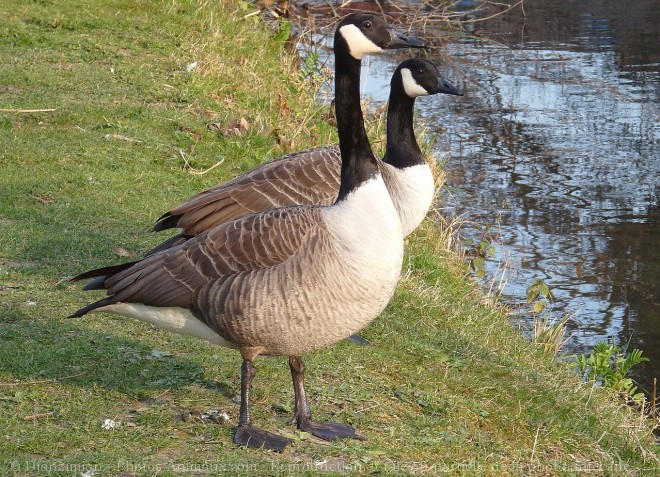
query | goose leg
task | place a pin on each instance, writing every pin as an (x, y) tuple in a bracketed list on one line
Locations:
[(246, 434), (302, 415)]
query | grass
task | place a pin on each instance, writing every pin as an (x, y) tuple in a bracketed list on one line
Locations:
[(449, 388)]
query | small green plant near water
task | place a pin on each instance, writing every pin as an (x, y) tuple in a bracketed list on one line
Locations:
[(481, 250), (609, 365), (311, 68), (548, 334), (283, 34), (539, 294)]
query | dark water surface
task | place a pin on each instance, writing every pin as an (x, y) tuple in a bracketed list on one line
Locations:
[(556, 145)]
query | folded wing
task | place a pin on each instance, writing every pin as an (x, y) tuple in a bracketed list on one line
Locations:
[(305, 178)]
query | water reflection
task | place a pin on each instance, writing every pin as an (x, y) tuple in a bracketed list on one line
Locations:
[(556, 144)]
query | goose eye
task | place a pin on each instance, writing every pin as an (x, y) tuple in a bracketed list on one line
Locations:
[(420, 71), (366, 24)]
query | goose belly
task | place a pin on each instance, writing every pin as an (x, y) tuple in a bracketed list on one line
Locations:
[(306, 315), (313, 314)]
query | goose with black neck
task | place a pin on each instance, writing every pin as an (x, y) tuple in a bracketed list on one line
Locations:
[(283, 282)]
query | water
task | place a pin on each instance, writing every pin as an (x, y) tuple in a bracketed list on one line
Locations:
[(556, 147)]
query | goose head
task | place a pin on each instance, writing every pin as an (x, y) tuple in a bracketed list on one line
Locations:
[(367, 34), (419, 77)]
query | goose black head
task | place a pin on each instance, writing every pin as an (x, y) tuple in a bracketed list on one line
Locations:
[(366, 34), (419, 77)]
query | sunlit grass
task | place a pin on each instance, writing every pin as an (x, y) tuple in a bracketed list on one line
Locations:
[(448, 387)]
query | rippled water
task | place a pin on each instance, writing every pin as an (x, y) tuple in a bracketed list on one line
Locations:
[(556, 146), (559, 152), (559, 145)]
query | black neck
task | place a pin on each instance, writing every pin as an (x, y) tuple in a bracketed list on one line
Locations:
[(402, 148), (358, 163)]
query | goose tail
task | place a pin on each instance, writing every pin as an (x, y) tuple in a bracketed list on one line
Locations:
[(103, 271), (100, 275), (169, 243), (90, 307), (166, 221)]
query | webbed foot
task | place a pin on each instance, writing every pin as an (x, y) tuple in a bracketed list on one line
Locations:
[(302, 416), (249, 436), (328, 431)]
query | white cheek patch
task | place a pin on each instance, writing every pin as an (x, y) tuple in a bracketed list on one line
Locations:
[(358, 44), (410, 86)]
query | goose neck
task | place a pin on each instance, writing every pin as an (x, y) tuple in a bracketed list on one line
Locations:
[(402, 148), (358, 161)]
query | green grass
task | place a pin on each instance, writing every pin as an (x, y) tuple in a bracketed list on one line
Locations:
[(449, 388)]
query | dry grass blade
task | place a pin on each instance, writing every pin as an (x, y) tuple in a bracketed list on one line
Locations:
[(654, 408), (42, 381), (201, 173), (10, 110), (120, 137), (550, 337), (34, 417)]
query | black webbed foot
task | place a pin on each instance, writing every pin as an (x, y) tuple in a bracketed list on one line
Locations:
[(328, 431), (249, 436), (302, 416)]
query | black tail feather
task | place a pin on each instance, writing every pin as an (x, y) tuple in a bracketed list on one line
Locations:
[(90, 307), (359, 340), (169, 243), (103, 272), (166, 221), (96, 284)]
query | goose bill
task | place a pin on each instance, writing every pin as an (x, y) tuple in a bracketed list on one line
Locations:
[(446, 87), (401, 41)]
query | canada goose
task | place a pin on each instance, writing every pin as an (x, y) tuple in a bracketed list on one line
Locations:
[(285, 281), (312, 176)]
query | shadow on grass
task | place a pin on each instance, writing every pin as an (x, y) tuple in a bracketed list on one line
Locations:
[(65, 350)]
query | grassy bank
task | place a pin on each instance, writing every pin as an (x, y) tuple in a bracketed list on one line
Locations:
[(449, 387)]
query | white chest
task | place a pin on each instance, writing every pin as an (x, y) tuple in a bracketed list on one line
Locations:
[(367, 229), (412, 190)]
